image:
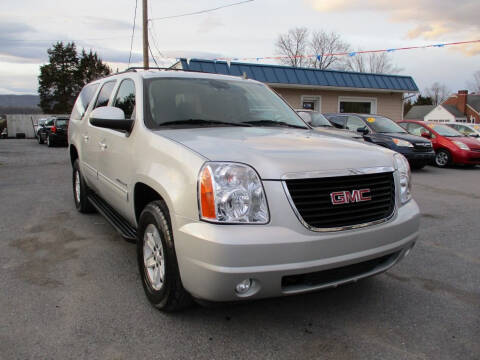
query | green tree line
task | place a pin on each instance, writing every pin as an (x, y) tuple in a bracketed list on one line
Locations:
[(66, 73)]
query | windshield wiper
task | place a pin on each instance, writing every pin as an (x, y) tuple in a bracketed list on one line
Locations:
[(272, 123), (202, 122)]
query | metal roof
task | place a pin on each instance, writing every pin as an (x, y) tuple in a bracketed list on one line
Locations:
[(286, 75)]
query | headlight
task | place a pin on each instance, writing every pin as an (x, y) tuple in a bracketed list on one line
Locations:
[(461, 145), (403, 168), (231, 193), (402, 143)]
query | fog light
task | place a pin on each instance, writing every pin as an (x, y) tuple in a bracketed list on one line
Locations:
[(243, 286)]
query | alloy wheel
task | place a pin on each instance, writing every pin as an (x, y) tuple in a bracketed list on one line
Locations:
[(153, 257)]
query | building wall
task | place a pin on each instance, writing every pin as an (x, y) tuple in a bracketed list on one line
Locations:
[(23, 123), (439, 114), (471, 113), (388, 104)]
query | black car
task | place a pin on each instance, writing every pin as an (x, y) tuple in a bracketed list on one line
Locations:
[(383, 131), (54, 131)]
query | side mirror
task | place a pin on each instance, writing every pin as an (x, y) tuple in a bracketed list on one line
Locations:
[(363, 130), (110, 117), (426, 135)]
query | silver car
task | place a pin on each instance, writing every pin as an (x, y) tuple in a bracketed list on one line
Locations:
[(228, 194)]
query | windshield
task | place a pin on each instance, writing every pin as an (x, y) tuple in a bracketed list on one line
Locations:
[(445, 130), (381, 124), (319, 120), (212, 102)]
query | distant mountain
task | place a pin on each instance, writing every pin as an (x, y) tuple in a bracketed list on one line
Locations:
[(19, 104), (19, 101)]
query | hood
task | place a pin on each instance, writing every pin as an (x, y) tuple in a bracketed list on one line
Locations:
[(408, 137), (274, 152), (339, 132), (473, 143)]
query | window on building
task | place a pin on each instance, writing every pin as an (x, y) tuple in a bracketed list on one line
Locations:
[(357, 105), (313, 103)]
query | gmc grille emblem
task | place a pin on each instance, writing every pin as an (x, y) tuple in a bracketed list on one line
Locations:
[(346, 197)]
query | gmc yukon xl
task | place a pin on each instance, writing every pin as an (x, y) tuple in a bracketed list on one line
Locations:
[(229, 194)]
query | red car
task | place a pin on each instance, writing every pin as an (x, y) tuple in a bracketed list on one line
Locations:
[(451, 146)]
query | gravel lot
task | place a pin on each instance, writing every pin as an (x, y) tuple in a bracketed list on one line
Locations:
[(70, 286)]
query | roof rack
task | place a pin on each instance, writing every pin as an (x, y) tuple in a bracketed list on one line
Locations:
[(135, 68)]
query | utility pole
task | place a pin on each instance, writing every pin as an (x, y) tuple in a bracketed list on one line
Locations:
[(145, 34)]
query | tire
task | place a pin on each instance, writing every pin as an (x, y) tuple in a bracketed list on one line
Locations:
[(40, 139), (81, 198), (442, 158), (155, 236), (49, 142)]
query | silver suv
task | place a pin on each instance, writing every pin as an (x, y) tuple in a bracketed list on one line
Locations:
[(229, 194)]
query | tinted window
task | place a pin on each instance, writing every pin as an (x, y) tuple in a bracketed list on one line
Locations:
[(83, 100), (62, 122), (444, 130), (105, 92), (354, 123), (125, 98), (232, 101), (382, 124), (49, 122)]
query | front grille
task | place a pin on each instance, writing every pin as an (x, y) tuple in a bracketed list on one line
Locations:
[(338, 274), (312, 200), (422, 147)]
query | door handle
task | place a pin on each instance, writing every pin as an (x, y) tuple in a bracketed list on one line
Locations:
[(85, 138), (102, 145)]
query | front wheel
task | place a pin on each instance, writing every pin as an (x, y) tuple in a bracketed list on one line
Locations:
[(157, 260), (442, 158), (80, 190)]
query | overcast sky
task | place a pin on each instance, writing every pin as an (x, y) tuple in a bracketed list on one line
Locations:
[(29, 27)]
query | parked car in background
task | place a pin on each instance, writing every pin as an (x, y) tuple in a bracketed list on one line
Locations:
[(43, 130), (57, 134), (321, 123), (54, 131), (451, 146), (228, 194), (472, 130), (385, 132), (39, 125)]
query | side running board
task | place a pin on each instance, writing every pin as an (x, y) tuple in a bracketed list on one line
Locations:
[(113, 217)]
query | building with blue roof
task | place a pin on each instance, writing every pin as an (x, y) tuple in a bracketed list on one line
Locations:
[(326, 91)]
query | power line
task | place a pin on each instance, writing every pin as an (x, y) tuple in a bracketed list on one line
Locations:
[(153, 33), (133, 32), (201, 11), (153, 57), (53, 40)]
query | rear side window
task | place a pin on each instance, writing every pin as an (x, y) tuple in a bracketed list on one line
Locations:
[(83, 100), (105, 93), (125, 98), (354, 123)]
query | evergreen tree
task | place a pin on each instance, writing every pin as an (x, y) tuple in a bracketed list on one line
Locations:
[(423, 100), (91, 67), (63, 77), (57, 81)]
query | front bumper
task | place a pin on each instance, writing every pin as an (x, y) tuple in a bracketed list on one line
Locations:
[(419, 157), (467, 157), (214, 258)]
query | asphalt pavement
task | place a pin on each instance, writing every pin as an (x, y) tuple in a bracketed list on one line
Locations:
[(70, 289)]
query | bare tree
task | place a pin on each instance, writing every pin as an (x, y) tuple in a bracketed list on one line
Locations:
[(474, 85), (293, 45), (376, 63), (438, 92), (324, 43)]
